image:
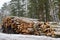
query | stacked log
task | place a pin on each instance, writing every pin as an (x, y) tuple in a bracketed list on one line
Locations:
[(21, 25), (17, 25), (47, 30)]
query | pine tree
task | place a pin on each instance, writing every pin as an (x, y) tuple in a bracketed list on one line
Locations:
[(59, 8), (47, 11), (39, 9), (16, 8)]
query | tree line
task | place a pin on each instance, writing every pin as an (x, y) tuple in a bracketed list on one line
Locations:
[(45, 10)]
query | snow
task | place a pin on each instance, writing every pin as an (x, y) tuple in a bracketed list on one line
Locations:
[(24, 37)]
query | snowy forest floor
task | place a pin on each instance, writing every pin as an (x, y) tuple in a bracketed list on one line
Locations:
[(4, 36)]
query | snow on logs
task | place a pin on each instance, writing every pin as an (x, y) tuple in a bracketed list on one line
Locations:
[(21, 25)]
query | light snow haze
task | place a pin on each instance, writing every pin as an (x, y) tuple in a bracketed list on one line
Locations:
[(2, 2)]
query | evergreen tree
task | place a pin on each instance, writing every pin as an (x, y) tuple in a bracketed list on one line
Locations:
[(59, 8), (39, 9), (47, 11), (16, 8)]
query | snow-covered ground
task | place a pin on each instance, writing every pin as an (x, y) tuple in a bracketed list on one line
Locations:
[(24, 37)]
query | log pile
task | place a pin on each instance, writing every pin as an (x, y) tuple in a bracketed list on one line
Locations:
[(21, 25)]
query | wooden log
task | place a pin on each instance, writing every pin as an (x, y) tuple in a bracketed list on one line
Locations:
[(23, 25)]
